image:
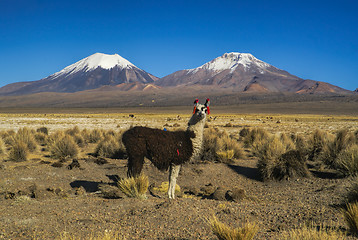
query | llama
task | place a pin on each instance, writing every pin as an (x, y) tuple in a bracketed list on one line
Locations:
[(165, 149)]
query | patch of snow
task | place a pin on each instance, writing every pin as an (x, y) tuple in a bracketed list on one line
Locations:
[(230, 61), (94, 61)]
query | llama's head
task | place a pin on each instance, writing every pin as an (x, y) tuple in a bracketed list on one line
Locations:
[(200, 111)]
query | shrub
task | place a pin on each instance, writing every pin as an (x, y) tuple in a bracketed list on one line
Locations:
[(256, 137), (316, 143), (19, 151), (43, 130), (351, 217), (26, 136), (347, 160), (278, 160), (311, 233), (224, 232), (2, 147), (219, 146), (134, 187), (343, 140), (352, 195), (107, 147), (244, 132), (73, 131), (41, 138), (64, 148)]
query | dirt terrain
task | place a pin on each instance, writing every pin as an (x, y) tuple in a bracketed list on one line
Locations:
[(43, 200)]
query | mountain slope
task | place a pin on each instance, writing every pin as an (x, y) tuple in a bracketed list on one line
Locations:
[(243, 72), (92, 72)]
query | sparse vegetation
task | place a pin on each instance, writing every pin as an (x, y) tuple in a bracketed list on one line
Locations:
[(351, 217), (344, 139), (220, 147), (224, 232), (108, 147), (64, 148), (276, 206), (26, 136), (19, 151), (278, 159), (313, 233), (134, 187)]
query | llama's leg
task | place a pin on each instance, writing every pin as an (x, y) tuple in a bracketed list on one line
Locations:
[(135, 165), (173, 174)]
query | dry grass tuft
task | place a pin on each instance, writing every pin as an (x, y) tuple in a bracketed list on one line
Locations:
[(107, 147), (317, 141), (351, 217), (332, 149), (220, 147), (352, 195), (26, 136), (311, 233), (134, 187), (2, 147), (347, 160), (255, 137), (278, 159), (64, 148), (224, 232), (19, 151)]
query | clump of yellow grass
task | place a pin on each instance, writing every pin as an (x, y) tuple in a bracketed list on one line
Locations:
[(134, 187), (224, 232), (311, 233)]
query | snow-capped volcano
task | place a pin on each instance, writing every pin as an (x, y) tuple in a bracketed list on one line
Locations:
[(92, 72), (94, 61), (230, 61), (242, 72)]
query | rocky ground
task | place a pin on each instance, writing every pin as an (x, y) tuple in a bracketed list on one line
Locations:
[(41, 199)]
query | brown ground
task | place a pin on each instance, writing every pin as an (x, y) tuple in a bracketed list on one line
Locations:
[(40, 201)]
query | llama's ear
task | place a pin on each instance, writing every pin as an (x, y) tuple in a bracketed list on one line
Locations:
[(207, 104), (196, 102)]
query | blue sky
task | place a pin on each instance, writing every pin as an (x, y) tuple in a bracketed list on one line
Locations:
[(311, 39)]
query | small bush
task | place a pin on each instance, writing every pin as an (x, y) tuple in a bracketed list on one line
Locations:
[(255, 137), (244, 132), (311, 233), (347, 160), (316, 143), (351, 217), (26, 136), (352, 195), (224, 232), (107, 147), (64, 148), (41, 138), (43, 130), (95, 136), (134, 187), (343, 140), (73, 131), (2, 147), (279, 160), (19, 151), (219, 146)]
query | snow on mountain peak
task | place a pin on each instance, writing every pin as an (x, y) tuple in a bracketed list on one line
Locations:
[(106, 61), (231, 61), (94, 61)]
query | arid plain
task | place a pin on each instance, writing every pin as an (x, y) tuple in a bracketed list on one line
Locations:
[(40, 199)]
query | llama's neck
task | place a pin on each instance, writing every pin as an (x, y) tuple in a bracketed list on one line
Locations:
[(198, 128)]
